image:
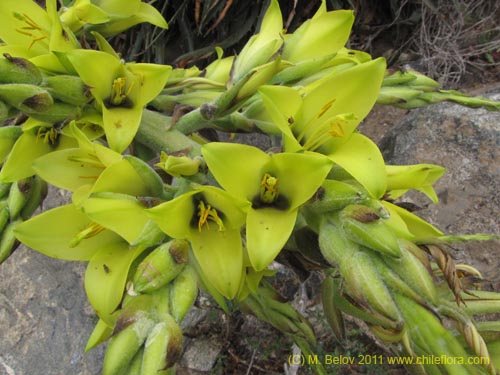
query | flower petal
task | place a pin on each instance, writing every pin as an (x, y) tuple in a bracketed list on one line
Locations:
[(267, 231), (174, 217), (89, 66), (322, 35), (220, 255), (354, 90), (52, 232), (231, 208), (13, 17), (120, 126), (300, 175), (362, 159), (126, 217), (67, 169), (151, 78), (401, 178), (19, 162), (121, 177), (236, 167), (106, 276), (282, 104), (416, 225)]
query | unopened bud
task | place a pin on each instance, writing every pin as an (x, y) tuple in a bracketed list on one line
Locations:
[(161, 266), (18, 70), (179, 165)]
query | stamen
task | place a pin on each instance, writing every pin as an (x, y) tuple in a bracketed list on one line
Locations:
[(311, 129), (332, 128), (119, 92), (91, 230), (206, 213), (47, 135), (269, 188), (31, 27), (325, 108), (89, 160)]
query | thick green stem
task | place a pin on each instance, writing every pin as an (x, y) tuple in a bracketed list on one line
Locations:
[(157, 134), (194, 121)]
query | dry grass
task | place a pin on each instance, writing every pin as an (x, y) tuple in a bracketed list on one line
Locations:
[(443, 38)]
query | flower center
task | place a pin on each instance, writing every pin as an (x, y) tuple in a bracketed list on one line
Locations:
[(269, 189), (88, 161), (47, 135), (269, 194), (119, 94), (32, 29), (91, 230), (318, 131), (207, 213)]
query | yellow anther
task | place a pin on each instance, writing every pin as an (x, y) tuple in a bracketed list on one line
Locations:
[(206, 213), (47, 135), (337, 128), (119, 90), (91, 230), (269, 188), (31, 27), (325, 108), (90, 161), (40, 38)]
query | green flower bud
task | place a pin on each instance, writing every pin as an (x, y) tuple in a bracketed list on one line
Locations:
[(18, 70), (178, 166)]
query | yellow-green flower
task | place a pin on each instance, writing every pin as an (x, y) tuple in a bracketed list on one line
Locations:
[(274, 185), (401, 178), (37, 139), (211, 220), (261, 48), (32, 32), (121, 90), (322, 35), (66, 233), (74, 167), (323, 116), (110, 17)]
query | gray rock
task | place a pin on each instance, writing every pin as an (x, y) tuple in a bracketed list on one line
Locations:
[(45, 319), (200, 355), (467, 143)]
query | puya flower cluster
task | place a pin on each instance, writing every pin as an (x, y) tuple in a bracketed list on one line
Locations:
[(158, 211)]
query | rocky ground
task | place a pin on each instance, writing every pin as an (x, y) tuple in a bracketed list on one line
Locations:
[(45, 319)]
